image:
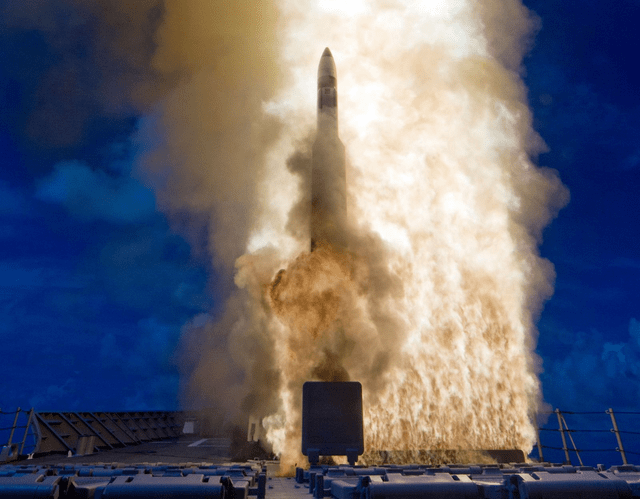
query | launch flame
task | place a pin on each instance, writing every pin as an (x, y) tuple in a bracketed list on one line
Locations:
[(432, 305)]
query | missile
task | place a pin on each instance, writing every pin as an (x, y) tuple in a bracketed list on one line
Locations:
[(328, 173)]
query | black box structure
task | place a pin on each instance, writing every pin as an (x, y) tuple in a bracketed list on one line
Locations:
[(332, 420)]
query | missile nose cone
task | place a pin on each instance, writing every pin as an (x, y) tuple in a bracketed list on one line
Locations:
[(327, 75)]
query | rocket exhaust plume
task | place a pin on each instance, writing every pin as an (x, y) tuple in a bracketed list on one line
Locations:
[(429, 299)]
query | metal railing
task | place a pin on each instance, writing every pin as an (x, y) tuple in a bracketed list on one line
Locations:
[(20, 431), (18, 436), (566, 434)]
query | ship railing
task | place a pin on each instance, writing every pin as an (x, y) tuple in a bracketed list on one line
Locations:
[(22, 435), (17, 434), (606, 424)]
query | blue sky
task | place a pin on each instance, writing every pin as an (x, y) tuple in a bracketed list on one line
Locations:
[(583, 89), (95, 282)]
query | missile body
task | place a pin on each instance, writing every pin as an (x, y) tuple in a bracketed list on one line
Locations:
[(328, 174)]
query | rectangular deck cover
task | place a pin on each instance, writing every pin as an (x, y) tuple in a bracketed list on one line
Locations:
[(332, 418)]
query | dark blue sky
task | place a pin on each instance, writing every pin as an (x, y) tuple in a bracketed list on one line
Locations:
[(95, 282), (583, 87)]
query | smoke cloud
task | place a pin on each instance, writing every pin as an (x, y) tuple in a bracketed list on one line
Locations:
[(432, 304), (214, 131)]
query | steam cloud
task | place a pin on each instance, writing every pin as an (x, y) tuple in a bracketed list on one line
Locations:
[(433, 305)]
